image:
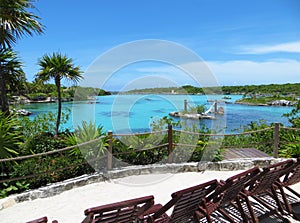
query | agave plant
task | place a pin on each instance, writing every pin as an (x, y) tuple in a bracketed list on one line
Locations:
[(90, 144)]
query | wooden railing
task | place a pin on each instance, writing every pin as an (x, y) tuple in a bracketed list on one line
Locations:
[(169, 144)]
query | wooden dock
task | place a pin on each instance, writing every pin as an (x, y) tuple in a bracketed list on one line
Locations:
[(241, 153), (191, 116)]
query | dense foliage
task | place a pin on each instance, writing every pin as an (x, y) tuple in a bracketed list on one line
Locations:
[(36, 137), (39, 91), (270, 89)]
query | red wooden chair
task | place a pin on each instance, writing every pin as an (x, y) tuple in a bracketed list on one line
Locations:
[(262, 188), (120, 212), (226, 200), (41, 220), (291, 198), (184, 203)]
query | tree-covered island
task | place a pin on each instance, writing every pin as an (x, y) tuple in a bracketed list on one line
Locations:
[(272, 94)]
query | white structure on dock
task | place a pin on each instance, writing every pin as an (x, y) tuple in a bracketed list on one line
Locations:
[(205, 115)]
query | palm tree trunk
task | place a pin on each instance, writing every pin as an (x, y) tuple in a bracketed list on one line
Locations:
[(57, 83), (3, 97)]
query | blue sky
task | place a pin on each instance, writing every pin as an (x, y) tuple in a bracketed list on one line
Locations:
[(242, 42)]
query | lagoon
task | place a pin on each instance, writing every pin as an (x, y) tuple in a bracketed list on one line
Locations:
[(135, 113)]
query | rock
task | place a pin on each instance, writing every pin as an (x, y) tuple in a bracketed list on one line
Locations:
[(21, 112), (8, 203), (282, 103)]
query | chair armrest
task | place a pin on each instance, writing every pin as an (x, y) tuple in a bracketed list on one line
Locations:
[(88, 218)]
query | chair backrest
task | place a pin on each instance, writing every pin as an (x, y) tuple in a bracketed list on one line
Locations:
[(186, 202), (293, 176), (119, 212), (268, 177), (39, 220), (230, 189)]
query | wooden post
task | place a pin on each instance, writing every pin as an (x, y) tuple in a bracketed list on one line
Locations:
[(170, 144), (185, 105), (276, 140), (109, 152)]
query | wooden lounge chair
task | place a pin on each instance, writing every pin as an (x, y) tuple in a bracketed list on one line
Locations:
[(120, 212), (291, 199), (262, 188), (226, 200), (41, 220), (184, 203)]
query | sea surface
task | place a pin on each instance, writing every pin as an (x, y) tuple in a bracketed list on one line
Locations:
[(135, 113)]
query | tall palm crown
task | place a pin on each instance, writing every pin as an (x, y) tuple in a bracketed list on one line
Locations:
[(13, 68), (57, 67)]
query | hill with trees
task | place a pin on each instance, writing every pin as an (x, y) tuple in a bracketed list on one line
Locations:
[(270, 89)]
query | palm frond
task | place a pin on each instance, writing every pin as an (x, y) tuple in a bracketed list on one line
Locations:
[(16, 21)]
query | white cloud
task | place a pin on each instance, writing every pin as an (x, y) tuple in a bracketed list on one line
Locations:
[(242, 72), (290, 47)]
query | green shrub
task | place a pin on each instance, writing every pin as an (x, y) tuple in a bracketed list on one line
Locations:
[(11, 139), (43, 170), (10, 136), (291, 147), (10, 188)]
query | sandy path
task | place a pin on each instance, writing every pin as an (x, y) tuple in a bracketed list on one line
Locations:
[(69, 206)]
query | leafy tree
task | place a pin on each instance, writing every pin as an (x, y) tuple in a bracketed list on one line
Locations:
[(43, 124), (292, 148), (57, 67), (294, 115), (15, 21)]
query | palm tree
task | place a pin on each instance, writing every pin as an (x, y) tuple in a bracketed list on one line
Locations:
[(14, 78), (15, 22), (57, 67), (12, 66)]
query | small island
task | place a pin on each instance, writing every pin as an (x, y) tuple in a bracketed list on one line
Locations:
[(260, 95), (262, 100)]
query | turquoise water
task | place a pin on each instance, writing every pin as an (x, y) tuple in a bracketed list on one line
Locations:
[(135, 113)]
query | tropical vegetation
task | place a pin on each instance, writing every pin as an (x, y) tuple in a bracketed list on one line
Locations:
[(16, 21), (88, 146)]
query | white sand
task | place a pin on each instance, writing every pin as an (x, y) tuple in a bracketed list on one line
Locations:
[(69, 206)]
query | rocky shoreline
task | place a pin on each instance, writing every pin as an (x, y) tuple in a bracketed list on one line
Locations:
[(25, 100), (272, 103)]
